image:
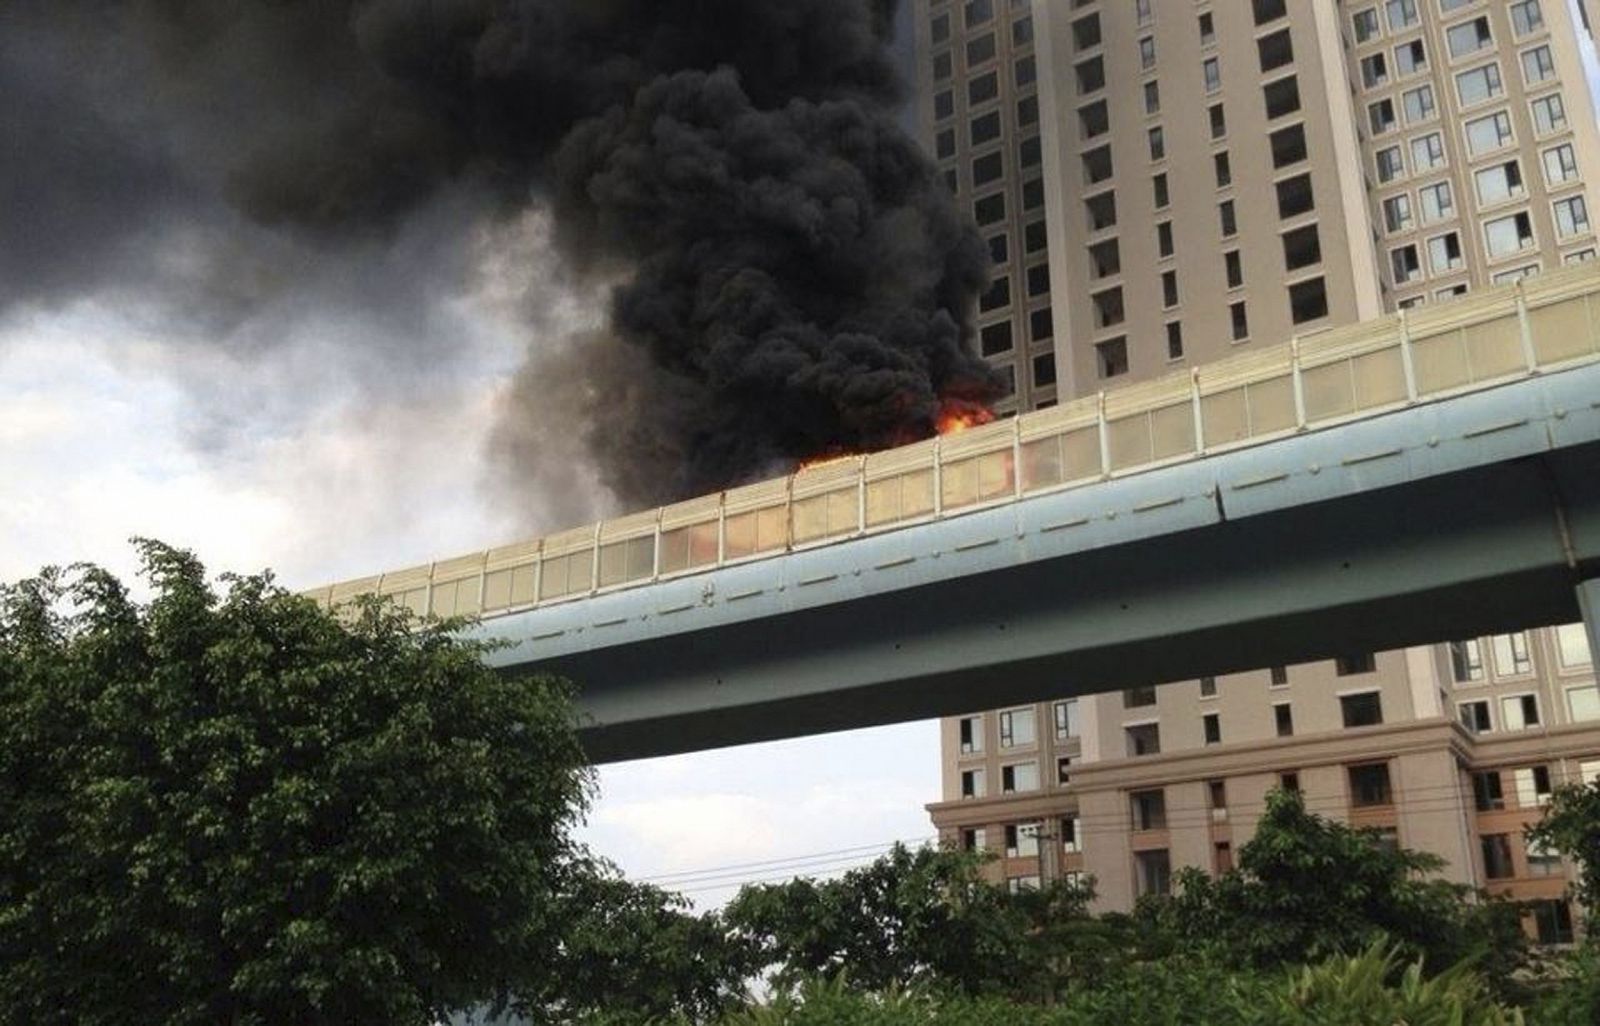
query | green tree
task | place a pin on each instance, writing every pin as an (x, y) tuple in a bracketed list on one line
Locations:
[(1307, 887), (1571, 826), (242, 809)]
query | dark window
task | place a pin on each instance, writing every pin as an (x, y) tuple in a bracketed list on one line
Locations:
[(1268, 10), (1224, 858), (1086, 32), (1164, 239), (1552, 922), (1280, 674), (1144, 739), (1035, 237), (1235, 270), (1284, 717), (1295, 197), (1224, 169), (1169, 288), (944, 104), (1282, 96), (1032, 194), (944, 143), (1288, 145), (980, 49), (969, 839), (941, 28), (1302, 247), (1289, 781), (996, 296), (1363, 710), (1497, 864), (1240, 319), (1137, 698), (1228, 219), (985, 128), (1044, 370), (1308, 300), (1112, 357), (1039, 280), (979, 11), (1212, 724), (1097, 165), (1028, 110), (1094, 120), (1219, 121), (1154, 872), (999, 248), (1105, 259), (996, 338), (1102, 211), (1149, 810), (1475, 716), (1091, 75), (987, 168), (1029, 153), (1275, 50), (983, 88), (1040, 324), (1175, 343), (990, 209), (1369, 785), (1108, 308), (1158, 185), (1487, 792), (1026, 70)]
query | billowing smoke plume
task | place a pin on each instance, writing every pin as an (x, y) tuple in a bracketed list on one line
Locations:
[(787, 274)]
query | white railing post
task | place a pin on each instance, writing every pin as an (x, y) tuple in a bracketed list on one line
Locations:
[(938, 477), (538, 574), (655, 563), (1199, 414), (722, 528), (1526, 330), (1299, 383), (594, 560), (1105, 435), (1016, 456), (427, 591), (1407, 361)]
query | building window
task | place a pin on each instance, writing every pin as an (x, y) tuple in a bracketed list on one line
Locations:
[(1381, 116), (1549, 114), (1362, 710), (1147, 52), (980, 49), (1153, 872), (1041, 325), (1169, 289), (1149, 809), (1070, 842), (1572, 646), (1519, 712), (1038, 279), (1281, 96), (1511, 655), (1538, 66), (972, 783), (1427, 153), (1508, 235), (979, 11), (1044, 370), (1572, 217), (1143, 739), (1022, 840), (1158, 143), (1526, 17), (1219, 121), (1487, 134), (1369, 785), (1308, 300), (1533, 786), (1066, 718), (1164, 247), (1145, 12), (1479, 84), (1016, 727), (1152, 98), (1302, 247), (1444, 253), (940, 28), (1475, 716), (1174, 340), (1223, 168), (1374, 70), (1289, 782), (1391, 164), (983, 88), (1022, 776), (1402, 14), (1397, 213), (1222, 861), (1233, 268), (1275, 50), (990, 209), (997, 295), (1211, 74), (1468, 37), (1268, 10), (1288, 145), (971, 731), (1227, 218), (1086, 32), (1419, 104), (995, 339), (1063, 770), (1410, 58), (1487, 795), (1091, 75), (1211, 725), (1552, 922), (1278, 677), (972, 839), (1497, 864), (1499, 183), (1217, 792), (1158, 186), (1542, 861), (1033, 194), (1365, 24), (1108, 308), (1111, 357), (1102, 211), (1283, 716), (1239, 321), (1438, 202)]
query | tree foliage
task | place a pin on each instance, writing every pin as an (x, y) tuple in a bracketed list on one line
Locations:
[(239, 808), (1308, 887), (1571, 826)]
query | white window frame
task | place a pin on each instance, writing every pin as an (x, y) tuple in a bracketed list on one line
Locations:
[(1486, 703), (1578, 230), (1517, 696)]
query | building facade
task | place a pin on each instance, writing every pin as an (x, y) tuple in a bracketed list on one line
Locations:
[(1165, 182)]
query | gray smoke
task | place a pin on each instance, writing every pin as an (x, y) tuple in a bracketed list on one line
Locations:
[(787, 275)]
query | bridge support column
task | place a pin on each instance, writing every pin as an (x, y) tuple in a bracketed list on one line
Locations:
[(1589, 602)]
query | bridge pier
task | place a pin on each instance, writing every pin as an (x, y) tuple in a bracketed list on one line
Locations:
[(1589, 602)]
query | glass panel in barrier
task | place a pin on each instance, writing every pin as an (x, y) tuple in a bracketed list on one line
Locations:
[(687, 548), (810, 519), (757, 531), (1440, 361), (414, 599), (1271, 405), (632, 559), (1562, 331), (1494, 348), (570, 574), (1380, 378), (978, 479), (1130, 441), (902, 497), (1172, 431), (1226, 416), (1042, 463), (444, 598), (1329, 391)]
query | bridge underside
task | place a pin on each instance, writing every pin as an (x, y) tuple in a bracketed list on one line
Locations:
[(1351, 557)]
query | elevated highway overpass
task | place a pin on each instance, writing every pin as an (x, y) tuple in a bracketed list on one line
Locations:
[(1398, 482)]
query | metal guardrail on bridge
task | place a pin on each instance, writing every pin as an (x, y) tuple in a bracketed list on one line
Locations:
[(1538, 325)]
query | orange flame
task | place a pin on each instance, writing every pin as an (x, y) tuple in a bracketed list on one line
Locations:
[(955, 416)]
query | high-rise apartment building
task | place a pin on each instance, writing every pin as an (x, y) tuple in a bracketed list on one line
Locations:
[(1165, 182)]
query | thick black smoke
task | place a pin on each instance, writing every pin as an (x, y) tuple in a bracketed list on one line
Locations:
[(790, 276)]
